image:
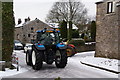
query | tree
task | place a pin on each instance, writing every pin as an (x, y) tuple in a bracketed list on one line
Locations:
[(75, 33), (8, 24), (72, 11), (93, 30), (63, 29)]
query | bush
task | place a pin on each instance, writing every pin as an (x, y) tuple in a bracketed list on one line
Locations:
[(77, 42), (89, 40)]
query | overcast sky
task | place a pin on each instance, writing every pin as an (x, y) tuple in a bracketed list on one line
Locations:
[(40, 8)]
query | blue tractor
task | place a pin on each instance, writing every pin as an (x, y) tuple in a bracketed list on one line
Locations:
[(47, 48)]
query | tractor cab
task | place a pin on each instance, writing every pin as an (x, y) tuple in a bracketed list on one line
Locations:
[(48, 37)]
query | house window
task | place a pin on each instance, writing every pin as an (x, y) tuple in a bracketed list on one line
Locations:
[(32, 30), (110, 7), (28, 35), (24, 35), (18, 36)]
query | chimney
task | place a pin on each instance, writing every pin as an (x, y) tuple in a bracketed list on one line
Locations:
[(26, 19), (19, 21)]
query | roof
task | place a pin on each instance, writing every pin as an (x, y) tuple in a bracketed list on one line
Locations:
[(19, 25), (107, 1), (99, 2), (28, 22), (118, 4)]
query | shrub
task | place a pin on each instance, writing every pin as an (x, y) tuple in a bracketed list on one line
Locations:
[(89, 40)]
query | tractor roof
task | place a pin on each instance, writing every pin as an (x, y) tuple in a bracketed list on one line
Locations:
[(48, 30)]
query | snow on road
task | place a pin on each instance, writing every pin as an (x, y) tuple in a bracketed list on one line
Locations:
[(9, 72), (110, 64), (74, 69), (92, 72), (88, 58)]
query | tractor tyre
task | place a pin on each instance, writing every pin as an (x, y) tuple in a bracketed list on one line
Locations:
[(61, 58), (29, 57), (37, 59)]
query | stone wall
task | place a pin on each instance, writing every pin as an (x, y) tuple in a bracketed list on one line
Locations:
[(107, 32), (119, 32), (18, 31)]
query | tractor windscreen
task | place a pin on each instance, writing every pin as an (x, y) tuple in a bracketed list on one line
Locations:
[(48, 38)]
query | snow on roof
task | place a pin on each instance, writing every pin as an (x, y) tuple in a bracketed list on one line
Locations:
[(22, 24), (118, 3), (56, 25), (53, 25), (74, 26), (19, 25), (26, 22)]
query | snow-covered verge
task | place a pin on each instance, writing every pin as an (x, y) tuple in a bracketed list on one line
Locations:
[(109, 64), (9, 72)]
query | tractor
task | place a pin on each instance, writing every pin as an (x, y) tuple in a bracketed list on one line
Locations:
[(47, 48)]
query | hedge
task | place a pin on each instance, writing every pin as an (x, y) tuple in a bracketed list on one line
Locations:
[(77, 42), (8, 24)]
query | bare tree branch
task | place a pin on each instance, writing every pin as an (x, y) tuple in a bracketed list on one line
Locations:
[(68, 10)]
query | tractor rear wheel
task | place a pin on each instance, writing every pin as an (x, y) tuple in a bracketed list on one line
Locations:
[(61, 58), (37, 59), (29, 57)]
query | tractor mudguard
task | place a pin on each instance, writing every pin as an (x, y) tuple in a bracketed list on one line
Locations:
[(61, 46), (39, 46)]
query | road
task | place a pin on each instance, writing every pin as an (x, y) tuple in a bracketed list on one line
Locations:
[(74, 69)]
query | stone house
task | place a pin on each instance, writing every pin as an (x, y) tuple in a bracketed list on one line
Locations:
[(26, 32), (108, 29)]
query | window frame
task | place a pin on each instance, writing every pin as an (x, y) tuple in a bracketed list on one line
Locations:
[(29, 35), (110, 7), (32, 29)]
